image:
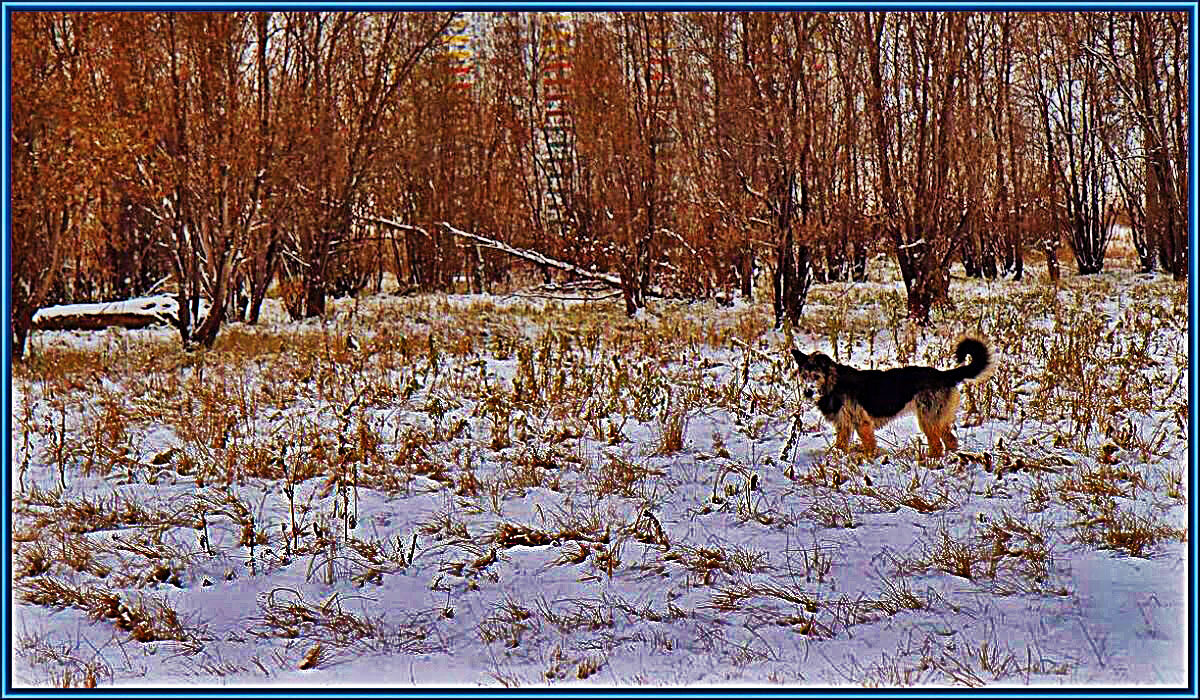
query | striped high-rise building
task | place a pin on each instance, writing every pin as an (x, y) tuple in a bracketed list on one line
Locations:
[(459, 43), (559, 129)]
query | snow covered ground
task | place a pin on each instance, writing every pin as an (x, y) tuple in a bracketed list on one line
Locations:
[(516, 491)]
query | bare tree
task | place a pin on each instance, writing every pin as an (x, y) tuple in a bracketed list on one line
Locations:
[(715, 221), (532, 69), (914, 95), (780, 169), (263, 246), (668, 152), (850, 186), (623, 126), (1011, 132), (1150, 166), (204, 181), (59, 151), (1073, 88), (340, 98)]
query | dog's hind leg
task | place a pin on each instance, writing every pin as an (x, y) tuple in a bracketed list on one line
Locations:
[(945, 418), (949, 440), (866, 433), (933, 433)]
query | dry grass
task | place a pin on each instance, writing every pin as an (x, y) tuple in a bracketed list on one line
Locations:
[(328, 624), (144, 618)]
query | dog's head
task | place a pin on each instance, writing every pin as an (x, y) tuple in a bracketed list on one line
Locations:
[(817, 372)]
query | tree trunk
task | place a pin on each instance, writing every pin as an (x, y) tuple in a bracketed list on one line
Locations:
[(184, 322), (1012, 257), (1088, 244), (1052, 267), (988, 260), (835, 264), (747, 276), (206, 334), (970, 257), (22, 321), (259, 285), (925, 291), (314, 294), (19, 336), (792, 278), (630, 291), (1014, 263), (926, 274), (1144, 242), (858, 268)]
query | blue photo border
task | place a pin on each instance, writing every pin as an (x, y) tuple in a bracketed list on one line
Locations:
[(7, 690)]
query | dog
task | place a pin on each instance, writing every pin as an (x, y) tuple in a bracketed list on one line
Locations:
[(865, 399)]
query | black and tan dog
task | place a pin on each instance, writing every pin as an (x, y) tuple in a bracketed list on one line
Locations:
[(865, 399)]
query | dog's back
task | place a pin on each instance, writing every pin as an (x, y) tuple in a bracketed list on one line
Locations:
[(884, 393), (887, 392)]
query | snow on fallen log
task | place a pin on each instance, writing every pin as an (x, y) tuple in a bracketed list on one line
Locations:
[(535, 257), (140, 312)]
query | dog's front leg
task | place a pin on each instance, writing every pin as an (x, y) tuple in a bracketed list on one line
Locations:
[(843, 436), (866, 433)]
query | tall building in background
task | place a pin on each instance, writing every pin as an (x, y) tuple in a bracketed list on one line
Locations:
[(460, 45), (543, 41), (559, 128)]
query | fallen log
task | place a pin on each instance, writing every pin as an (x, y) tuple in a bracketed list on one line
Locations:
[(141, 312), (535, 257)]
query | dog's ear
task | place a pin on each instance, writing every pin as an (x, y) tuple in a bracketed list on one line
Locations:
[(799, 356), (821, 361)]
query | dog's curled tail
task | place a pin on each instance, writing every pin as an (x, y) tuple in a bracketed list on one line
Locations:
[(981, 360)]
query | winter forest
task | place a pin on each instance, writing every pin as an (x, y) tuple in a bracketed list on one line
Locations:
[(394, 349), (675, 154)]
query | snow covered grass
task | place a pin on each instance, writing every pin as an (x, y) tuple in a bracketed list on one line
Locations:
[(505, 491)]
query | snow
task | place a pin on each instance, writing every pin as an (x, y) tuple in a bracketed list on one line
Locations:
[(788, 599), (161, 307)]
